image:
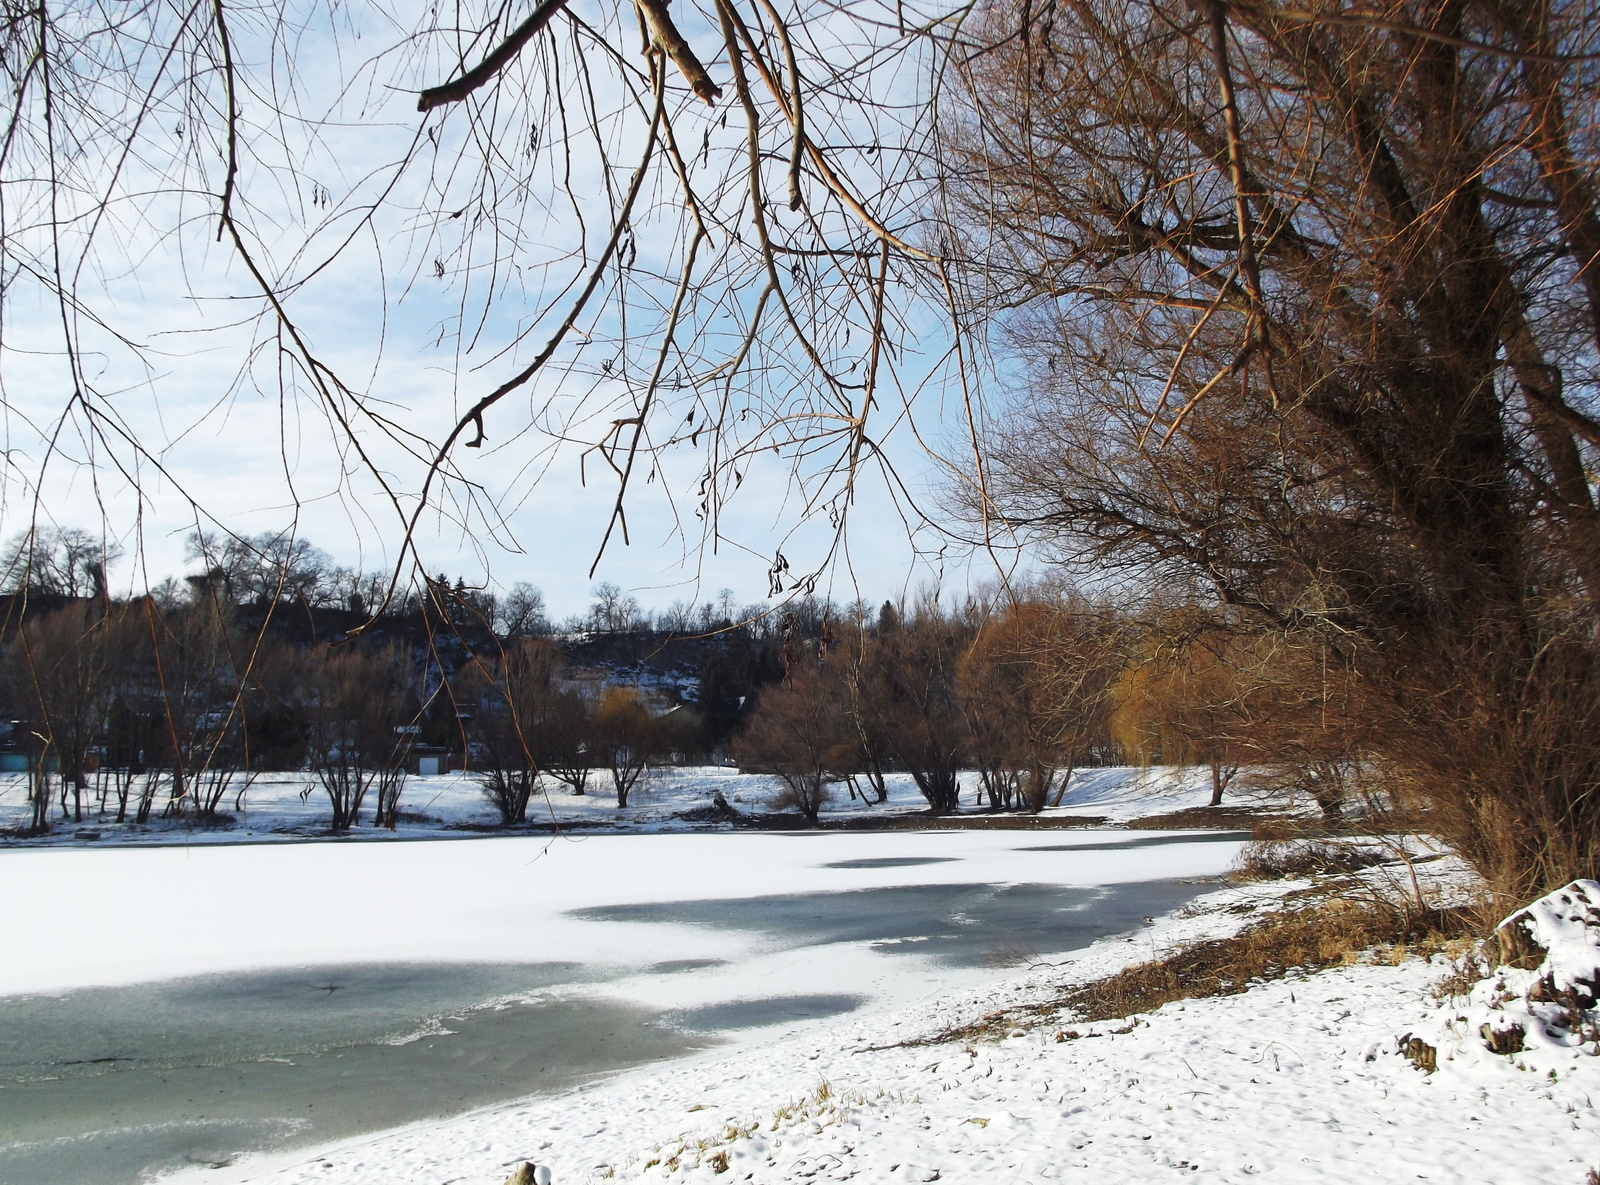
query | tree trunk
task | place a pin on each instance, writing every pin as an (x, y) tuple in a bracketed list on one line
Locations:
[(1061, 792)]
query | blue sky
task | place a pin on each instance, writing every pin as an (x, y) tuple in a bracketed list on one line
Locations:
[(422, 287)]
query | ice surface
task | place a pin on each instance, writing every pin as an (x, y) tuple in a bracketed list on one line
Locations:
[(1295, 1081), (304, 992), (956, 925)]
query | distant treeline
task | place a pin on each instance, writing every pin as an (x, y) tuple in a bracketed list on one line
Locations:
[(171, 704), (273, 659)]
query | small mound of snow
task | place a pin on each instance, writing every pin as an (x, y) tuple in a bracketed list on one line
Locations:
[(1560, 935), (1543, 994)]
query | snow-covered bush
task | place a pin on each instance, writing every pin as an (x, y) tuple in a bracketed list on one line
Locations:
[(1543, 993)]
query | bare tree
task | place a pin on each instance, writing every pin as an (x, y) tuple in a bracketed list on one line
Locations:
[(56, 670), (858, 664), (133, 714), (1188, 701), (270, 567), (521, 612), (626, 738), (572, 753), (358, 709), (1035, 689), (199, 659), (1310, 315), (795, 733), (57, 561), (614, 611), (515, 722), (919, 715)]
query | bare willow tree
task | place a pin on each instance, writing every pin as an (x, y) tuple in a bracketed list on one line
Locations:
[(1309, 309), (516, 708), (1187, 700), (438, 248), (626, 738), (199, 663), (1035, 687), (56, 671), (359, 709), (795, 733), (915, 705)]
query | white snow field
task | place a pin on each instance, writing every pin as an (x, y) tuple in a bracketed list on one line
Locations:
[(1296, 1080), (174, 911)]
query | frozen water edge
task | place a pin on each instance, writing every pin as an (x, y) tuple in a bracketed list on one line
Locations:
[(1296, 1081), (273, 810), (1046, 1108), (660, 925)]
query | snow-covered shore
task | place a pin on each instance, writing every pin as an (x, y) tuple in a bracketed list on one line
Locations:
[(1299, 1079), (291, 808), (1296, 1080)]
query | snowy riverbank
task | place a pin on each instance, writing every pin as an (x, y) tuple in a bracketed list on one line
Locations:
[(1295, 1080), (291, 808), (819, 970)]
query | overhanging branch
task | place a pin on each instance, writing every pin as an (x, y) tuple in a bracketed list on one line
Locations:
[(459, 88)]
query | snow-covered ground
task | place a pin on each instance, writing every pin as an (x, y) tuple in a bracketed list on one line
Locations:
[(1295, 1080), (278, 806), (175, 911)]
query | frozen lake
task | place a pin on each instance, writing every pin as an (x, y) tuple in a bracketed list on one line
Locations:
[(168, 1007)]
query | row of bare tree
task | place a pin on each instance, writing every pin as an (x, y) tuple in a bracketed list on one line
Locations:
[(1029, 686), (125, 711)]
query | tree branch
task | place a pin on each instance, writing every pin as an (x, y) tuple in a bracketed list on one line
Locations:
[(499, 57), (667, 38)]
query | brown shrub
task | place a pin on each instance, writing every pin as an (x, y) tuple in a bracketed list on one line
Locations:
[(1202, 817), (1306, 940), (1264, 860)]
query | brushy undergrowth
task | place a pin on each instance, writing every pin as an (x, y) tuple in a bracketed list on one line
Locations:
[(1276, 859), (1338, 933), (1209, 817)]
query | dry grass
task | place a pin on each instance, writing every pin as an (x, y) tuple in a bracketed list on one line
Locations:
[(1471, 962), (1306, 940), (1289, 827), (1276, 859), (1226, 818), (1335, 933)]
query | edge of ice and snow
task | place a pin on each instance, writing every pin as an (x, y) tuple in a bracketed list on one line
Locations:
[(1297, 1080)]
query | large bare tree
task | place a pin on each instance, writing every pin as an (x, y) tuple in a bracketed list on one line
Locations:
[(1309, 308)]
